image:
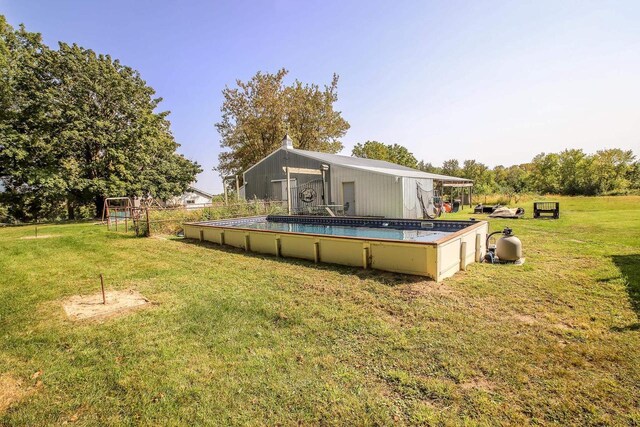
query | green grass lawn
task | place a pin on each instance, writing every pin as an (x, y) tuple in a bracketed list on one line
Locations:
[(237, 339)]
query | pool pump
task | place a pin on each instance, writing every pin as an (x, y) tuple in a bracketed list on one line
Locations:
[(507, 250)]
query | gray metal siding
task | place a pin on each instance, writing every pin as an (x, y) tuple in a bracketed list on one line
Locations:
[(258, 179), (376, 194)]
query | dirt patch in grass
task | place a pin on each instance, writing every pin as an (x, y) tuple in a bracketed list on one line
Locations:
[(525, 318), (563, 326), (40, 236), (477, 384), (80, 307), (416, 290), (12, 390)]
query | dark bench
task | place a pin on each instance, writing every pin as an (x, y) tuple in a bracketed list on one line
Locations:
[(552, 208), (482, 209)]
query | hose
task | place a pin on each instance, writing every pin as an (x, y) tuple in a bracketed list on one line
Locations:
[(489, 236), (507, 232)]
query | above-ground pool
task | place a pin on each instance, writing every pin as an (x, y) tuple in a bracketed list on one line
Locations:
[(434, 248)]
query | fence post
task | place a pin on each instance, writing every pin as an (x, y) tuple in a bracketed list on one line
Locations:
[(478, 247), (104, 299), (148, 224), (463, 256)]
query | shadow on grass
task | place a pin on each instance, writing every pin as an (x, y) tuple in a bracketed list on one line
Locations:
[(629, 266), (382, 277)]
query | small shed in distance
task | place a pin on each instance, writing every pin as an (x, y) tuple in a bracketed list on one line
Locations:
[(363, 187)]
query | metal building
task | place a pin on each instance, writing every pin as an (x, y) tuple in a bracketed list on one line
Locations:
[(358, 186)]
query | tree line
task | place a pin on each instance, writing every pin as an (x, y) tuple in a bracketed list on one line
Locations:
[(570, 172), (76, 127)]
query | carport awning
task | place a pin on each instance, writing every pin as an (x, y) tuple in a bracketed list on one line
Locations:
[(457, 184)]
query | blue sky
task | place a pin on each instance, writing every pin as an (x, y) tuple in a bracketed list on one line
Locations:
[(493, 81)]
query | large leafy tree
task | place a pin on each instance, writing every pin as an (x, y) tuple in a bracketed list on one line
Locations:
[(480, 174), (258, 113), (511, 180), (29, 157), (633, 175), (78, 127), (545, 176), (451, 167), (428, 167), (393, 153), (611, 169), (573, 170)]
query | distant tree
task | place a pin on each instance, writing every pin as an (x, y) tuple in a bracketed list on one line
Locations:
[(428, 167), (633, 175), (79, 127), (256, 115), (451, 168), (517, 179), (610, 170), (512, 180), (545, 176), (573, 167), (500, 174), (393, 153), (480, 174), (371, 150)]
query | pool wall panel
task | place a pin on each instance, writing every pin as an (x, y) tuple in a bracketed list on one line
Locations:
[(263, 243), (449, 252), (212, 235), (400, 258), (235, 238), (297, 246), (345, 252), (192, 232)]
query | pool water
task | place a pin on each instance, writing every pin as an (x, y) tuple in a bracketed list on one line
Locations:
[(349, 231)]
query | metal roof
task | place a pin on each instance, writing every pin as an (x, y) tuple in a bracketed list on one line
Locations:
[(197, 190), (377, 166)]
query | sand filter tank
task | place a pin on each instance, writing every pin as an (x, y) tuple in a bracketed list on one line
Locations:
[(508, 248)]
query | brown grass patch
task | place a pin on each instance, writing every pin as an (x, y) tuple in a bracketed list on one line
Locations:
[(525, 318), (563, 326), (477, 384), (12, 391), (40, 236), (416, 290), (91, 306)]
